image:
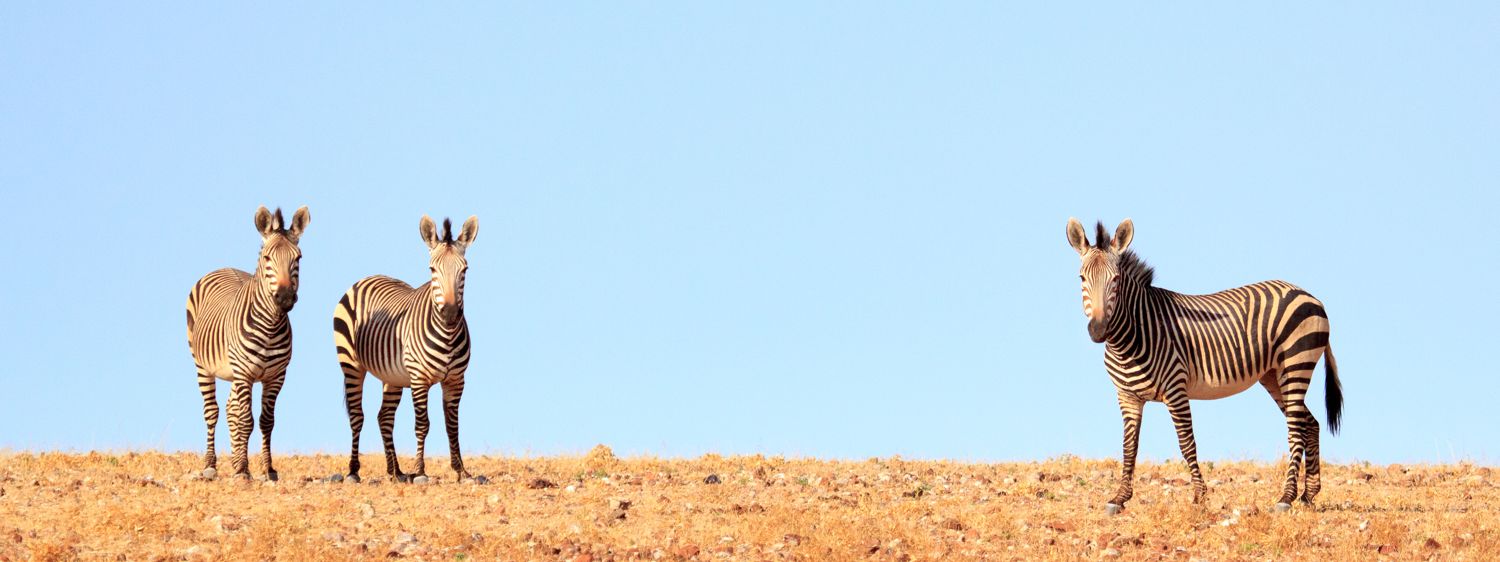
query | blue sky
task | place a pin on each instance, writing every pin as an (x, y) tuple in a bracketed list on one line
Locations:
[(827, 230)]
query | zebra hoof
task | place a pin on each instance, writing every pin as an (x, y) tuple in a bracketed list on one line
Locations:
[(1282, 507), (1113, 508), (210, 473), (422, 479), (402, 478), (335, 478), (272, 476)]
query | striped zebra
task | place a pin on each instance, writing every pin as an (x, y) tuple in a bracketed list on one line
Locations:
[(238, 331), (408, 338), (1172, 348)]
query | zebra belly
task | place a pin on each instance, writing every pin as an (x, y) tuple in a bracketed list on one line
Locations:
[(1199, 389), (397, 377)]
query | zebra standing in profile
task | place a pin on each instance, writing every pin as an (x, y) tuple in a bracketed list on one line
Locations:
[(238, 331), (408, 337), (1169, 347)]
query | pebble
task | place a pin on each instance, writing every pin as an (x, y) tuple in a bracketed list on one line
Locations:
[(420, 479), (712, 479)]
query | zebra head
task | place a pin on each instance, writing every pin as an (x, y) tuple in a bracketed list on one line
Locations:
[(279, 254), (1100, 272), (448, 264)]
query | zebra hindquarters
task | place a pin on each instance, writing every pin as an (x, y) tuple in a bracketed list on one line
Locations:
[(1298, 357)]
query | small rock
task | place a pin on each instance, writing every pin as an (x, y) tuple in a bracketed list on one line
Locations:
[(1110, 553), (481, 480), (493, 499), (541, 484), (1386, 549), (570, 489), (224, 524), (1060, 526), (366, 511), (792, 539), (210, 474), (423, 479), (1364, 525), (619, 503), (1432, 544), (712, 479), (336, 478)]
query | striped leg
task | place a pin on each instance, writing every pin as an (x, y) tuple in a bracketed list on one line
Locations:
[(1299, 421), (354, 394), (240, 425), (206, 386), (453, 390), (1312, 480), (1182, 417), (268, 392), (387, 418), (419, 392), (1130, 412)]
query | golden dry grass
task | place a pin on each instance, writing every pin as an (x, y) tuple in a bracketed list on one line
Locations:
[(59, 506)]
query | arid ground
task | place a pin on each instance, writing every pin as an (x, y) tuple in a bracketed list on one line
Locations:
[(148, 506)]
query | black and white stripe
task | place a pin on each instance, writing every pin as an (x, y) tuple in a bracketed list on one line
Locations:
[(408, 337), (238, 331), (1173, 348)]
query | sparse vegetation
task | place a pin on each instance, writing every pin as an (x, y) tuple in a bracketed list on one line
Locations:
[(147, 506)]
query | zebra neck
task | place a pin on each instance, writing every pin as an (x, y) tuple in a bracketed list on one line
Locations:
[(433, 322), (1135, 313), (262, 307)]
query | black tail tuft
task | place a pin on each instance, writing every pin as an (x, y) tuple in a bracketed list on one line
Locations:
[(1334, 394)]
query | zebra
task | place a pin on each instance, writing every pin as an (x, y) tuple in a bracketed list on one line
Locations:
[(408, 338), (1172, 348), (238, 331)]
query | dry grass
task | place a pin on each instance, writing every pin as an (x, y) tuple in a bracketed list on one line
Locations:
[(141, 506)]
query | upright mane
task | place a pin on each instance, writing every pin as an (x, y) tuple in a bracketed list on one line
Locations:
[(1133, 267)]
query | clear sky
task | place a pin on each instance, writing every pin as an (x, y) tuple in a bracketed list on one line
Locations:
[(827, 230)]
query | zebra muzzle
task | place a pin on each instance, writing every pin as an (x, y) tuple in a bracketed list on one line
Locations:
[(1096, 331)]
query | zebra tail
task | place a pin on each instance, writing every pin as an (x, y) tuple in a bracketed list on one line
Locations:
[(1334, 394)]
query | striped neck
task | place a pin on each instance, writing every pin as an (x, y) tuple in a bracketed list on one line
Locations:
[(263, 306)]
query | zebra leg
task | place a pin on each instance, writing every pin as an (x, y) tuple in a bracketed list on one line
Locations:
[(1293, 384), (387, 418), (206, 386), (453, 390), (240, 425), (1130, 412), (419, 392), (1182, 417), (268, 392), (1312, 482), (354, 394)]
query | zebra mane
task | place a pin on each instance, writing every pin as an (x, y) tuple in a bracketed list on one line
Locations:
[(1133, 267), (1101, 237), (447, 231)]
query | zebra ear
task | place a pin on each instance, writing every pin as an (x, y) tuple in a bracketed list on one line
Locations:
[(1076, 237), (429, 232), (470, 230), (299, 222), (1123, 234), (263, 220)]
